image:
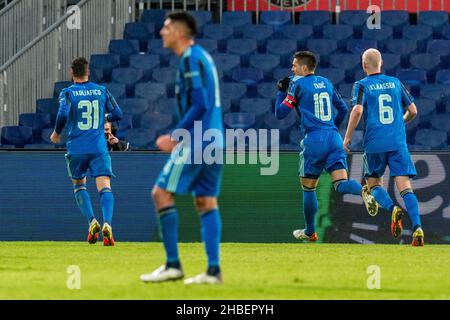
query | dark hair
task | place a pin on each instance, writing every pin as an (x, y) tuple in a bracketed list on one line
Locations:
[(185, 18), (306, 58), (80, 67)]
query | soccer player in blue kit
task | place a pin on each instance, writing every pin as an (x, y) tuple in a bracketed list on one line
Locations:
[(381, 100), (198, 96), (83, 108), (322, 148)]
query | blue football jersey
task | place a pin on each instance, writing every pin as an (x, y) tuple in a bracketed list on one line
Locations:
[(383, 99), (315, 97), (85, 105), (197, 71)]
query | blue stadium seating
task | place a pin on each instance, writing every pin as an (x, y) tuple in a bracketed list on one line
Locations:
[(160, 122), (135, 107), (37, 122), (341, 33), (280, 73), (435, 19), (166, 76), (17, 136), (209, 45), (243, 48), (124, 124), (124, 48), (146, 63), (412, 78), (404, 48), (249, 76), (268, 90), (346, 90), (266, 63), (59, 86), (391, 63), (258, 106), (167, 106), (219, 32), (259, 32), (349, 63), (318, 19), (155, 46), (357, 141), (96, 75), (140, 138), (446, 104), (155, 16), (46, 133), (323, 47), (441, 122), (174, 61), (150, 91), (39, 146), (105, 62), (203, 17), (360, 74), (358, 46), (118, 90), (425, 61), (380, 35), (299, 33), (227, 63), (285, 125), (411, 130), (296, 136), (129, 77), (6, 146), (233, 91), (421, 34), (336, 76), (436, 139), (49, 106), (238, 20), (284, 48), (397, 19), (277, 19), (443, 76), (239, 120), (427, 108), (435, 92), (446, 33), (442, 48), (140, 31), (226, 104), (355, 18)]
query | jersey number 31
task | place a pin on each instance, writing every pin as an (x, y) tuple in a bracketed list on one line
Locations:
[(89, 116)]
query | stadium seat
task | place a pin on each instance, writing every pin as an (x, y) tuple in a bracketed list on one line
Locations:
[(160, 122), (46, 133), (140, 31), (166, 76), (435, 19), (219, 32), (129, 77), (59, 86), (174, 61), (238, 20), (296, 136), (151, 91), (285, 125), (268, 90), (299, 33), (412, 78), (284, 48), (155, 16), (6, 146), (209, 45), (358, 46), (249, 76), (105, 62), (17, 136), (446, 33), (226, 105), (167, 106), (277, 19), (357, 141), (411, 130), (427, 108), (233, 91), (336, 76), (96, 75), (202, 17), (259, 107), (39, 146), (355, 18), (124, 124), (341, 33), (421, 34), (124, 49), (239, 120), (140, 139), (155, 46), (397, 19), (118, 90), (243, 48), (442, 48), (37, 122), (135, 107), (426, 61), (346, 91), (349, 63), (227, 63), (280, 73), (436, 139), (317, 19), (48, 106), (380, 35), (441, 122), (323, 47), (404, 48), (391, 63), (436, 92), (146, 63), (443, 76), (359, 74), (266, 63), (259, 32)]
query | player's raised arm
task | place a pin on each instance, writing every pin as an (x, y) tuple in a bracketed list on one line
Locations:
[(61, 118), (341, 107), (358, 100), (114, 111), (285, 102), (408, 102)]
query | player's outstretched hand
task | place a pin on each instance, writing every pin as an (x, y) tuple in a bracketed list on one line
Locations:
[(283, 84), (165, 143), (55, 138), (347, 143)]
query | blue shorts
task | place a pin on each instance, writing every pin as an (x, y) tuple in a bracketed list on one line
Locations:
[(99, 164), (200, 180), (399, 163), (319, 151)]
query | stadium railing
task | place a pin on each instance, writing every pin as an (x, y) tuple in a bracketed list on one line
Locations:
[(31, 73)]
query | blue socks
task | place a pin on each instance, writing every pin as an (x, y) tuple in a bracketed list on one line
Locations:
[(211, 235), (383, 198), (348, 187), (412, 207), (168, 220), (84, 201), (107, 204), (310, 207)]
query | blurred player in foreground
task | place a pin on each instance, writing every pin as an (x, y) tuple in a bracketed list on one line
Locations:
[(322, 149), (82, 107), (381, 100), (199, 101)]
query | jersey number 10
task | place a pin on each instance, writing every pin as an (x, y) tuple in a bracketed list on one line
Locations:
[(90, 115), (320, 102)]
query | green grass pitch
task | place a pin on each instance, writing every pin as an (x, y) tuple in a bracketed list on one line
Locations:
[(38, 270)]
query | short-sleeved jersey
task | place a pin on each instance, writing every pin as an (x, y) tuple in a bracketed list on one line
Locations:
[(197, 70), (85, 105), (315, 97), (383, 99)]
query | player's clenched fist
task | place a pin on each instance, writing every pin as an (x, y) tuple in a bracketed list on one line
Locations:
[(283, 84), (55, 138)]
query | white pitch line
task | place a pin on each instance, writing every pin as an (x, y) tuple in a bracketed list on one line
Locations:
[(365, 226)]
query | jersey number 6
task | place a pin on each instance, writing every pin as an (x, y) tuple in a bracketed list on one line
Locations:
[(386, 112)]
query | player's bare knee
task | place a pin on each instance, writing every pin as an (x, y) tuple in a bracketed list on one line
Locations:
[(103, 183), (205, 204), (162, 198)]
